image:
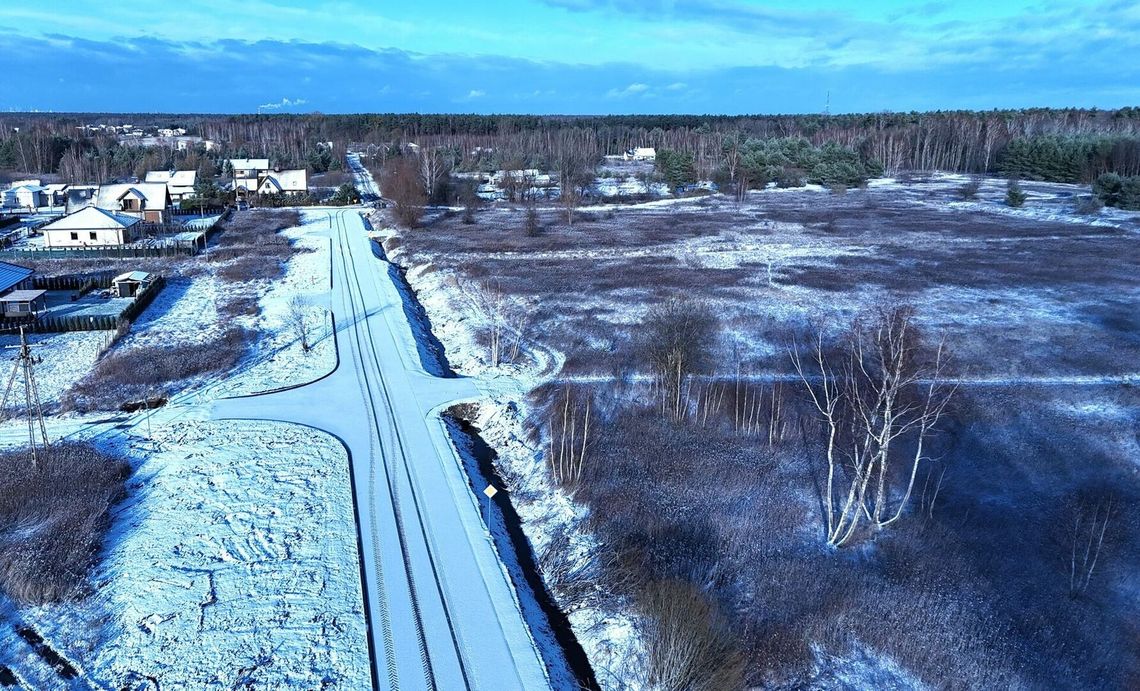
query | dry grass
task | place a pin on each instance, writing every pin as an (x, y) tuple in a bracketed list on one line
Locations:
[(126, 376), (54, 519)]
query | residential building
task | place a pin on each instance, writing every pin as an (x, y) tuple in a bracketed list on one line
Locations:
[(179, 183), (149, 201), (91, 227), (285, 182)]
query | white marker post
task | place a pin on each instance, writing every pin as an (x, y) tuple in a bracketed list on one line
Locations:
[(490, 492)]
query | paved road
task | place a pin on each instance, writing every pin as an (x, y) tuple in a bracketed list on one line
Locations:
[(442, 612)]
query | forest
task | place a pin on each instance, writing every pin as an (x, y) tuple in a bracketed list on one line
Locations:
[(1061, 145)]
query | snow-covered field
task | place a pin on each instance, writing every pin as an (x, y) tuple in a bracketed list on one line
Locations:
[(232, 564), (1006, 280)]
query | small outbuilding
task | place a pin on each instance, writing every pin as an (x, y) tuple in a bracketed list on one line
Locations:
[(23, 303), (130, 284)]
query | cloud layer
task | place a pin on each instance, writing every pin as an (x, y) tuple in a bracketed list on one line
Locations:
[(656, 56)]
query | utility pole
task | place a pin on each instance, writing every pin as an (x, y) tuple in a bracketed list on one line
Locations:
[(33, 409)]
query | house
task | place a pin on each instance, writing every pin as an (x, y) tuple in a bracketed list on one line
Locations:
[(25, 197), (22, 303), (91, 227), (248, 174), (55, 194), (641, 153), (17, 298), (14, 276), (179, 183), (149, 201), (80, 196), (285, 182), (130, 284)]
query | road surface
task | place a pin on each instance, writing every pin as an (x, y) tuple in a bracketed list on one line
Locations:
[(442, 612)]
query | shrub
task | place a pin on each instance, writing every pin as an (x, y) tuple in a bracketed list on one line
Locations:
[(1089, 206), (969, 191), (1115, 190), (134, 374), (688, 645), (678, 338), (53, 518), (1014, 195)]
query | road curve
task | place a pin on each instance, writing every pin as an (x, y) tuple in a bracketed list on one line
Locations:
[(442, 611)]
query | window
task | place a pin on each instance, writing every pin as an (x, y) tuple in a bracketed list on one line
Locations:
[(94, 235), (75, 236)]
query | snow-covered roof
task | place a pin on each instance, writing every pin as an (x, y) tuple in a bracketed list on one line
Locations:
[(153, 194), (12, 275), (174, 178), (91, 218), (23, 183), (29, 188), (249, 163), (288, 180), (22, 296), (56, 187), (137, 276)]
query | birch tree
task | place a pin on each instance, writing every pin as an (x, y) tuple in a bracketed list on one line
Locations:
[(880, 398)]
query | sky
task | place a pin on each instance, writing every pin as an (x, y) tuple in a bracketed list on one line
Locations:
[(566, 56)]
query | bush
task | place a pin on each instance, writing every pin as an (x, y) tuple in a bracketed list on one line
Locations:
[(678, 338), (969, 191), (1089, 206), (1014, 195), (135, 374), (688, 645), (1118, 191), (54, 518)]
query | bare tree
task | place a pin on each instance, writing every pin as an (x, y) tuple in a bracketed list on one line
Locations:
[(401, 183), (679, 335), (569, 443), (299, 321), (575, 174), (879, 406), (506, 322), (434, 171), (1089, 517)]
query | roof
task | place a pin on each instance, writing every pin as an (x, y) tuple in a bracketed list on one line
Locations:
[(138, 276), (153, 193), (91, 218), (249, 163), (29, 188), (173, 178), (22, 295), (12, 275), (289, 180)]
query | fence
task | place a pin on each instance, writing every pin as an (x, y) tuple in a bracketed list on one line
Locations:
[(99, 322), (99, 279)]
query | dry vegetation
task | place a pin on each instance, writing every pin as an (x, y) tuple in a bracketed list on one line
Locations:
[(54, 518), (248, 251), (1013, 558)]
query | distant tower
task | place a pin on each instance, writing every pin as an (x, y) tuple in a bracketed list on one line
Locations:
[(827, 106)]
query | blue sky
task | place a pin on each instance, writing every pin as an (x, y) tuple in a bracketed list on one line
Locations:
[(567, 56)]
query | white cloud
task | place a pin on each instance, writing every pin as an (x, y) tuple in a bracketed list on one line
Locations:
[(634, 89), (476, 93)]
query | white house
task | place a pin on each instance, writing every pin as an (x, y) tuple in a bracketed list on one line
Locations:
[(285, 182), (149, 201), (248, 173), (91, 227), (179, 183), (641, 153), (27, 195)]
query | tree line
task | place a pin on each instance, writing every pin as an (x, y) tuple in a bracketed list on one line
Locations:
[(1052, 144)]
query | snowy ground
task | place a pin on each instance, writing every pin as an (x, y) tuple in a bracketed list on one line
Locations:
[(1008, 279), (233, 563)]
